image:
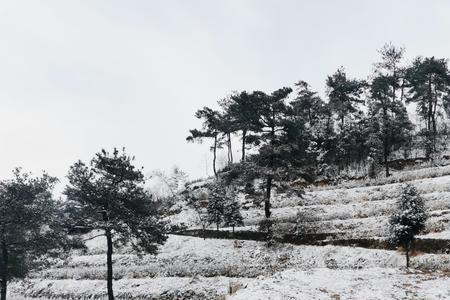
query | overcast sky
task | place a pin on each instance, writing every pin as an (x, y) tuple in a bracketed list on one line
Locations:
[(78, 76)]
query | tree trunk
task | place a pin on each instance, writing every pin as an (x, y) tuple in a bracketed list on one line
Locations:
[(244, 136), (430, 105), (434, 118), (386, 165), (109, 277), (267, 200), (4, 285), (4, 274), (407, 255), (385, 155), (271, 166), (269, 177), (217, 226), (267, 209), (435, 102), (402, 91), (230, 150), (215, 155), (394, 76), (233, 229)]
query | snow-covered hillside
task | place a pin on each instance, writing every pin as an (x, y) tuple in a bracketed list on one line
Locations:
[(353, 209), (197, 268)]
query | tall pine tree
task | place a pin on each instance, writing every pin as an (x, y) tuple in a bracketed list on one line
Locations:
[(428, 82), (394, 127), (272, 117), (110, 197), (391, 68), (344, 94), (211, 128)]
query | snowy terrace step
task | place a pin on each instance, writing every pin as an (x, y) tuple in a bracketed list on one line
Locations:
[(396, 177), (162, 288), (433, 202), (426, 245), (363, 194), (360, 227), (372, 226), (231, 258)]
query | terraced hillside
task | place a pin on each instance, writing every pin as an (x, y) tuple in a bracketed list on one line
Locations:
[(359, 212), (354, 209), (196, 268)]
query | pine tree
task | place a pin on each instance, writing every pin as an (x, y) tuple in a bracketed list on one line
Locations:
[(394, 127), (275, 161), (345, 99), (268, 163), (428, 82), (307, 127), (391, 68), (307, 104), (227, 126), (30, 225), (216, 205), (408, 219), (272, 116), (323, 138), (350, 144), (344, 94), (111, 198), (242, 111), (232, 212), (211, 128)]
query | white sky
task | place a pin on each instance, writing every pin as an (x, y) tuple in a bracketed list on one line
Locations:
[(78, 76)]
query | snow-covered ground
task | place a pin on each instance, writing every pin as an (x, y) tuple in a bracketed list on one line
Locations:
[(315, 283), (194, 268), (367, 284)]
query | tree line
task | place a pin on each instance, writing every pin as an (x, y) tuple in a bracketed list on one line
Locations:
[(361, 119), (286, 135)]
